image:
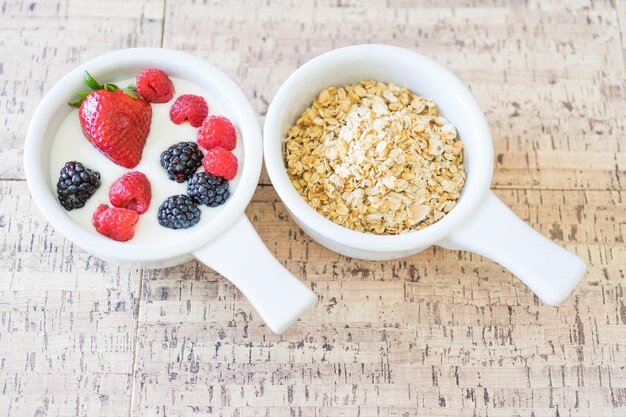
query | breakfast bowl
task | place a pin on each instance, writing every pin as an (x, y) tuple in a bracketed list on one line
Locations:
[(479, 222), (226, 241)]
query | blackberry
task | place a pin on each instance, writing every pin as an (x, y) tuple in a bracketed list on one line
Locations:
[(178, 212), (181, 160), (205, 188), (76, 185)]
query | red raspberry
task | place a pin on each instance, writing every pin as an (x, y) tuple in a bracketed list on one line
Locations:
[(220, 162), (132, 191), (115, 223), (189, 107), (155, 86), (217, 131), (99, 210)]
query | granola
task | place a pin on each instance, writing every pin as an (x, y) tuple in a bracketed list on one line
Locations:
[(375, 158)]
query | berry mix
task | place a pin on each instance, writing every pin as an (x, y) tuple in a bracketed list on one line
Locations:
[(117, 122)]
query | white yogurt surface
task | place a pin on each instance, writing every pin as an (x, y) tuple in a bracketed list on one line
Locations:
[(70, 144)]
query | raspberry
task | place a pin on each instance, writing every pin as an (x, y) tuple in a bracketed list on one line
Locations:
[(221, 163), (155, 86), (76, 185), (115, 223), (131, 191), (189, 107), (178, 212), (181, 160), (205, 188), (217, 131)]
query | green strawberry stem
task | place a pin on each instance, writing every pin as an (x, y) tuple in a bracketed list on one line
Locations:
[(131, 91), (91, 82)]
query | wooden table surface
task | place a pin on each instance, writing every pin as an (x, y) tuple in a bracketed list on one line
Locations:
[(441, 333)]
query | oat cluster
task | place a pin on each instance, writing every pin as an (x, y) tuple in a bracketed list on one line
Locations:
[(375, 158)]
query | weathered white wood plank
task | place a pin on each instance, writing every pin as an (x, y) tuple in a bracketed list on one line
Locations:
[(40, 41), (620, 5), (547, 74), (440, 333), (66, 320)]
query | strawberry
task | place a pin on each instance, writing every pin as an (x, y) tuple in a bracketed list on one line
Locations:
[(131, 191), (115, 223), (116, 121)]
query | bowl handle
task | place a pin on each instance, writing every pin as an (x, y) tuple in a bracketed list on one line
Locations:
[(240, 255), (494, 231)]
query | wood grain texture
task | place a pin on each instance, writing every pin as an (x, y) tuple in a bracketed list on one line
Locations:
[(441, 333), (547, 74), (67, 320), (41, 40), (620, 6)]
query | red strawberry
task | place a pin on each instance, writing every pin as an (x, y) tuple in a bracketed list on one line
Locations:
[(217, 131), (131, 191), (115, 121), (115, 223), (189, 107), (155, 86), (221, 163)]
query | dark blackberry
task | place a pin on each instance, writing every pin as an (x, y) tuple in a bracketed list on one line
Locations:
[(205, 188), (178, 212), (76, 185), (181, 160)]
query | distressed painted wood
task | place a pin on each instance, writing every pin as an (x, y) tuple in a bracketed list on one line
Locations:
[(67, 319), (441, 333), (620, 5), (548, 75)]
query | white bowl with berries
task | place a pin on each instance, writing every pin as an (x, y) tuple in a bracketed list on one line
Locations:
[(150, 156)]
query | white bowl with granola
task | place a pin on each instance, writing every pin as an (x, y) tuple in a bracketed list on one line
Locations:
[(379, 152)]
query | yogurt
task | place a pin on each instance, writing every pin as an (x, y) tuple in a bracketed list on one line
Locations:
[(70, 144)]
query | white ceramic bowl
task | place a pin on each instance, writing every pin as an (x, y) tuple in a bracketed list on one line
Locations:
[(480, 222), (222, 243)]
